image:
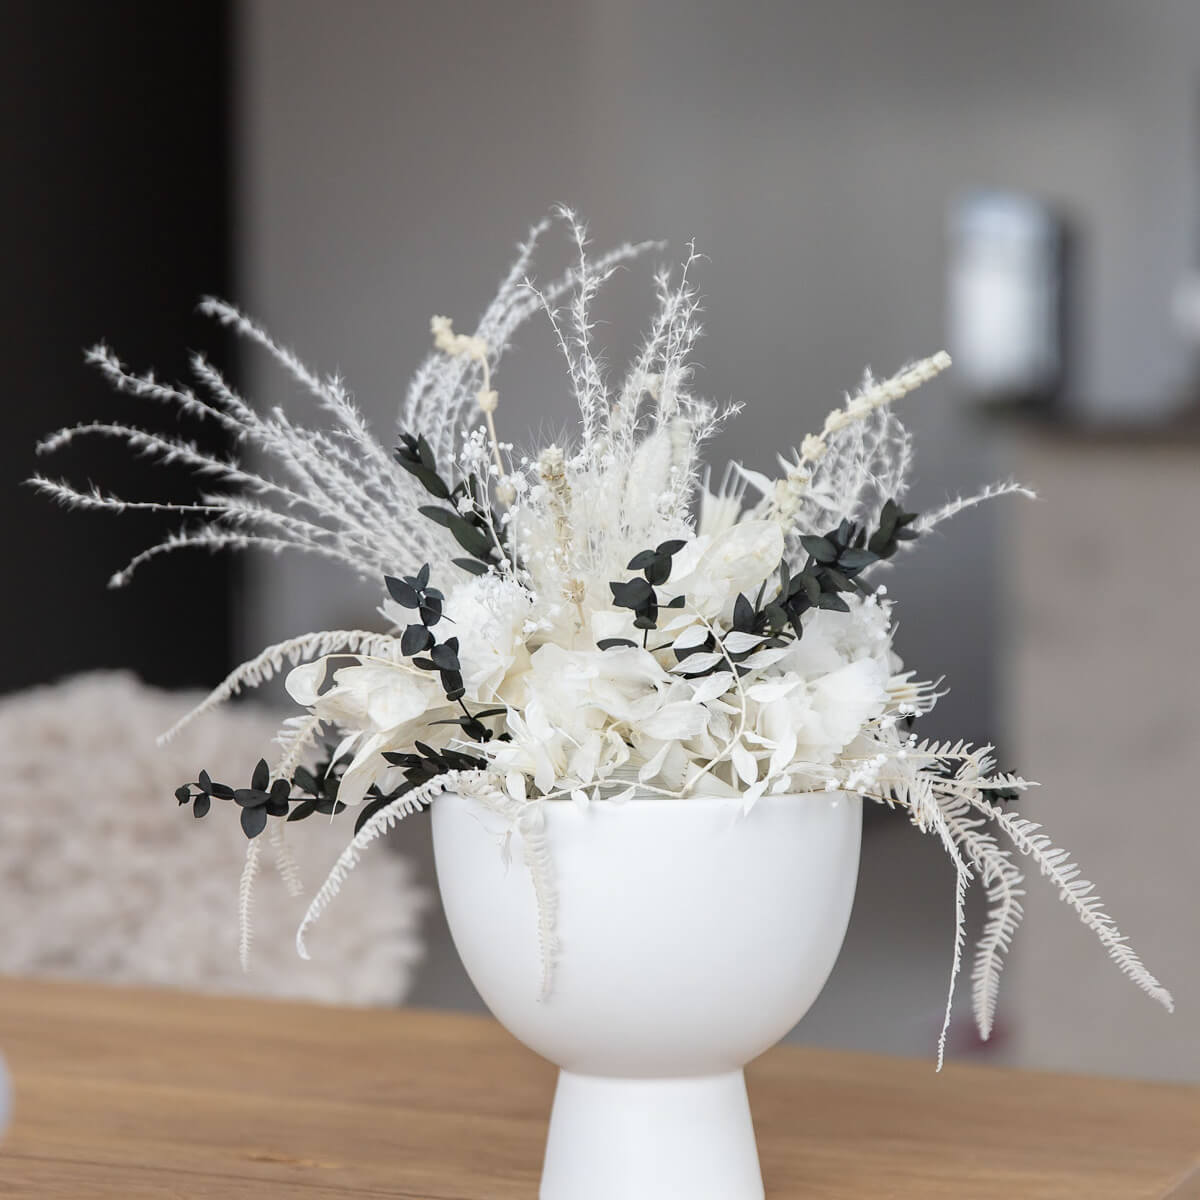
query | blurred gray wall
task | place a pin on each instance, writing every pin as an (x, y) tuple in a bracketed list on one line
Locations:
[(391, 154)]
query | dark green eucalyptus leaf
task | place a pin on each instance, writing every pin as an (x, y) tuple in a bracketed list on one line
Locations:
[(635, 594), (368, 810), (201, 807), (261, 777), (613, 642), (855, 560), (414, 639), (430, 609), (439, 516), (743, 615), (471, 565), (445, 657), (821, 548), (403, 593), (398, 759), (659, 570), (303, 779), (472, 539), (254, 821), (429, 480)]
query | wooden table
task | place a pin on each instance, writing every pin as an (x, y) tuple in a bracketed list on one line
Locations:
[(136, 1093)]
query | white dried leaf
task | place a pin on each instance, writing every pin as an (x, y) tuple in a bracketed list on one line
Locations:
[(708, 689), (744, 763), (738, 642), (693, 635), (695, 663)]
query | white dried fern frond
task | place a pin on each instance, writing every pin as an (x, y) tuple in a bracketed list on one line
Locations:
[(528, 819), (927, 814), (246, 902), (1002, 881), (1080, 894), (376, 826), (541, 872), (271, 661), (295, 737), (285, 859)]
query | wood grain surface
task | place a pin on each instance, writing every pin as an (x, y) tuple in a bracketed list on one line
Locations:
[(136, 1093)]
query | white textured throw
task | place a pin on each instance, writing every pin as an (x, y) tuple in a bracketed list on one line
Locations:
[(102, 876)]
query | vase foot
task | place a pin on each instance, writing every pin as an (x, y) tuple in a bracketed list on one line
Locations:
[(651, 1139)]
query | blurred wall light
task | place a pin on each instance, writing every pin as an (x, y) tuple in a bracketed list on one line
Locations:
[(1005, 297)]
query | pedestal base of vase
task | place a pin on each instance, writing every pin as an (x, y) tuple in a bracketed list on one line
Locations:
[(651, 1139)]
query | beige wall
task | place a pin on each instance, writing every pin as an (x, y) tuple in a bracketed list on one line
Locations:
[(1100, 675)]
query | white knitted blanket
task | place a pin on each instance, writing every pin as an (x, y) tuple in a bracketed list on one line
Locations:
[(102, 876)]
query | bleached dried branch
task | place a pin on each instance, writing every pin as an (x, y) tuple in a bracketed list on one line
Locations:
[(1011, 488), (442, 391)]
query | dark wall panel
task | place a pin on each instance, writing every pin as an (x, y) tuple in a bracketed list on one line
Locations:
[(115, 211)]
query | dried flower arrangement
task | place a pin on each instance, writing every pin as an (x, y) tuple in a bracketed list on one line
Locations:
[(604, 623)]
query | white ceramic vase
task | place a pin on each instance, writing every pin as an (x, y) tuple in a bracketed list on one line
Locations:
[(692, 938)]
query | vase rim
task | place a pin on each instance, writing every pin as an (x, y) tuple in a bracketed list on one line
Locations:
[(643, 800)]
